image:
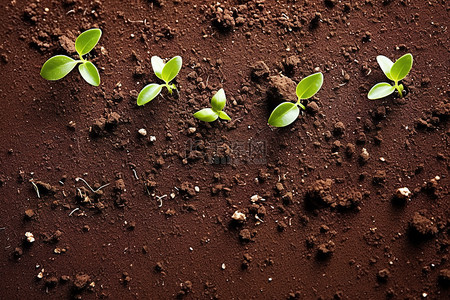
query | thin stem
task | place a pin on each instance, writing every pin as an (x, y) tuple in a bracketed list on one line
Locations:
[(300, 105), (82, 60), (398, 89), (170, 87)]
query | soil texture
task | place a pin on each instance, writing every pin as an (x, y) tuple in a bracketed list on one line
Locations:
[(105, 199)]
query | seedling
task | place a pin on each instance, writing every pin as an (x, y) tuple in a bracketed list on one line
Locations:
[(166, 72), (60, 65), (393, 71), (287, 112), (218, 102)]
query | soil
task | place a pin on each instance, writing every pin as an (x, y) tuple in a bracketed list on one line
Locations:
[(150, 203)]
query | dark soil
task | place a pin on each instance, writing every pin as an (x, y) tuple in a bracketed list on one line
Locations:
[(229, 210)]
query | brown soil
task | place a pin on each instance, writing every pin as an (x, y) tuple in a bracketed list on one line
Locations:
[(229, 210)]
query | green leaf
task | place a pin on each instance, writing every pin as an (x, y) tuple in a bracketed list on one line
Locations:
[(380, 90), (401, 67), (57, 67), (284, 114), (207, 115), (309, 86), (224, 116), (157, 65), (385, 65), (171, 69), (148, 93), (89, 73), (219, 100), (86, 41)]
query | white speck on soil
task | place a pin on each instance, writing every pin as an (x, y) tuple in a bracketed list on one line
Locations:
[(142, 132), (403, 193), (30, 237), (238, 216)]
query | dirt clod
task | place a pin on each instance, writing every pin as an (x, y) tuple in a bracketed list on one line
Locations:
[(312, 108), (45, 188), (125, 278), (281, 89), (338, 129), (325, 250), (29, 214), (259, 71), (379, 177), (185, 288), (364, 156), (222, 18), (188, 189), (319, 194), (18, 252), (422, 225), (81, 281), (290, 64), (245, 235), (383, 275)]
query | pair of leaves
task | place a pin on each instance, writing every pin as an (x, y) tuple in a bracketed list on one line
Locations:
[(393, 71), (287, 112), (59, 66), (166, 72), (218, 102)]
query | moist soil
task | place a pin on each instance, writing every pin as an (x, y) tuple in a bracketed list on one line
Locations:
[(227, 210)]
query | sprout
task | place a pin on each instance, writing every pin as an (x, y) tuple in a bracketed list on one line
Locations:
[(59, 66), (166, 72), (218, 102), (393, 71), (287, 112)]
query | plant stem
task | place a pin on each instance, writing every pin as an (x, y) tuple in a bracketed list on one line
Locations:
[(170, 87), (399, 90), (300, 105), (82, 60)]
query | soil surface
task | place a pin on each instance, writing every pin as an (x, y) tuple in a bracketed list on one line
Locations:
[(350, 201)]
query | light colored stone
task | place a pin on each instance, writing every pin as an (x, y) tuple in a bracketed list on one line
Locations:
[(238, 216), (142, 132), (30, 237), (403, 193)]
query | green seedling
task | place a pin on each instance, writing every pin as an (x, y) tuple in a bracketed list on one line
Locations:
[(218, 102), (287, 112), (60, 65), (393, 71), (166, 72)]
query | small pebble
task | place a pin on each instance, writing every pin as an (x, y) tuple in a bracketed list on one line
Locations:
[(41, 274), (403, 193), (30, 237), (238, 216), (142, 132)]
